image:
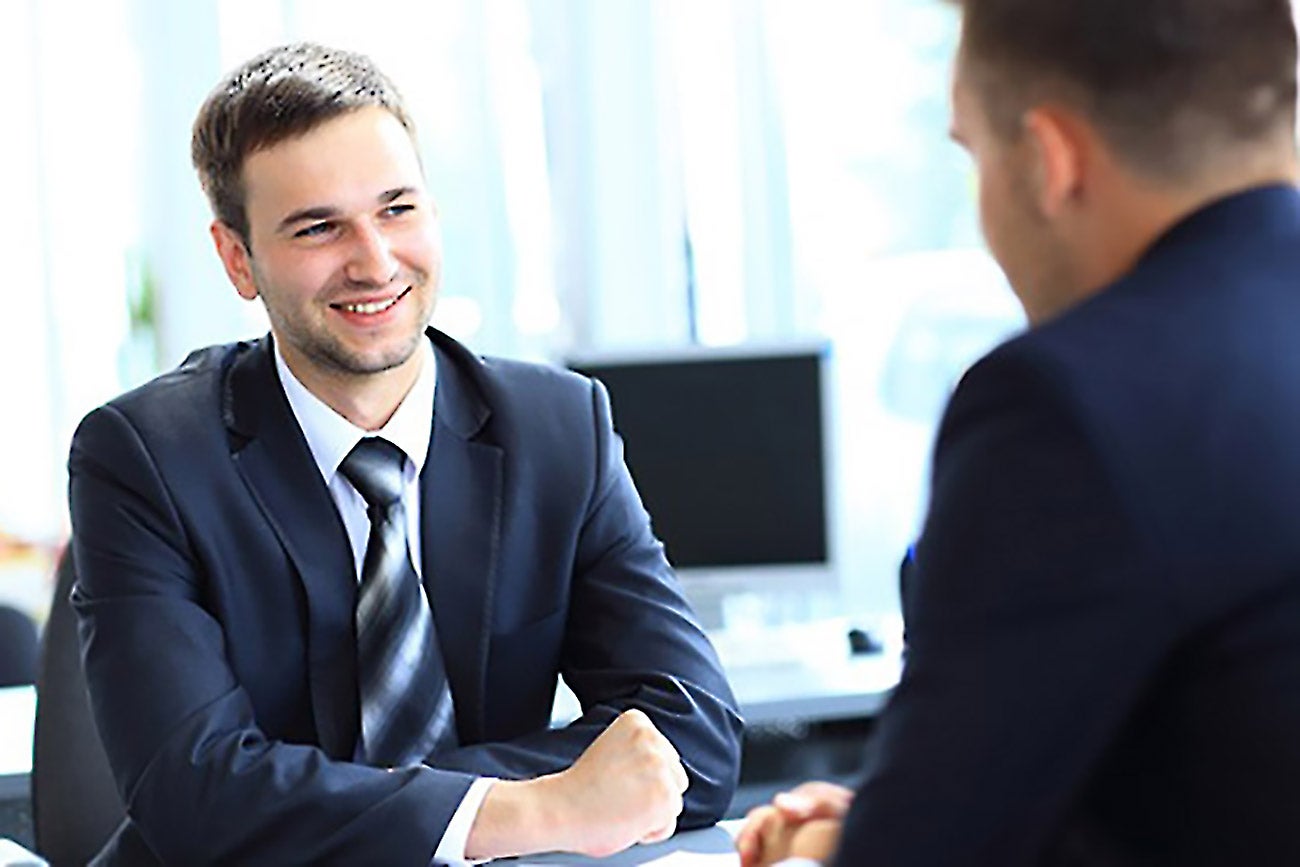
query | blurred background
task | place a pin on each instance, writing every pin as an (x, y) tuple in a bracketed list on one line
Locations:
[(614, 177)]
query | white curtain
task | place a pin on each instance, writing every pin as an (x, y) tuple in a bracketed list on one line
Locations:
[(68, 221)]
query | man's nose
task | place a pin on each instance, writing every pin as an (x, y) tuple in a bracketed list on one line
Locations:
[(372, 261)]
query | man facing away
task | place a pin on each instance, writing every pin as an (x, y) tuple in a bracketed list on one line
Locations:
[(327, 579), (1103, 610)]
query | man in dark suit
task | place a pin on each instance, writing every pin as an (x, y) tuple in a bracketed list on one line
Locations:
[(258, 531), (1103, 610)]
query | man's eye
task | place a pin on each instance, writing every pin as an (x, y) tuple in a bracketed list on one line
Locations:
[(398, 210), (313, 230)]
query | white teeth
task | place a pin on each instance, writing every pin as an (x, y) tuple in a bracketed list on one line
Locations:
[(371, 307)]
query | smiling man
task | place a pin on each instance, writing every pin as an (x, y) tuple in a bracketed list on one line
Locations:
[(328, 579), (1103, 610)]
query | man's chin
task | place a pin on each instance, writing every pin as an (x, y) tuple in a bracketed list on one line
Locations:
[(371, 363)]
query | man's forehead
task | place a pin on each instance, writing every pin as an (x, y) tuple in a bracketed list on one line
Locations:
[(301, 177), (352, 146)]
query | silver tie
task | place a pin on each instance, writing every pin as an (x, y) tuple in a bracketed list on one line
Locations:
[(406, 704)]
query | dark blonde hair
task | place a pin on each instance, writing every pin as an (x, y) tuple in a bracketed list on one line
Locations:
[(281, 93)]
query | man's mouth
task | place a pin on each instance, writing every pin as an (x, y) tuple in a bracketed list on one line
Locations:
[(370, 308)]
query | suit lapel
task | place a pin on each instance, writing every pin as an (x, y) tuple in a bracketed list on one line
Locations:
[(460, 514), (271, 454)]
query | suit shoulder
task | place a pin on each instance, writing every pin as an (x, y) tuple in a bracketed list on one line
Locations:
[(527, 382), (536, 405), (175, 399), (523, 374)]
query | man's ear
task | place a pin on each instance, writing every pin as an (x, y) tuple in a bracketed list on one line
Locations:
[(1059, 146), (236, 259)]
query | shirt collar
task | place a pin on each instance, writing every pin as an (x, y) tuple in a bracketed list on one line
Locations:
[(330, 436)]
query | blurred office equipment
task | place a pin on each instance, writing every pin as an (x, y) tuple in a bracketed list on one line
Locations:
[(730, 452), (734, 455)]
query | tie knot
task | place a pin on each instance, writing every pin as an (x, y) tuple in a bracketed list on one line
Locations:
[(374, 467)]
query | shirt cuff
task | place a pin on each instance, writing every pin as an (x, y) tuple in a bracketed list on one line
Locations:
[(798, 862), (451, 848)]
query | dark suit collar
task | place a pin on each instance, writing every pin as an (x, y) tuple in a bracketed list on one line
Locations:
[(460, 511), (462, 405), (1255, 213), (1220, 231), (250, 386)]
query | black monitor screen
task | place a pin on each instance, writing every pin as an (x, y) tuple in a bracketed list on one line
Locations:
[(727, 453)]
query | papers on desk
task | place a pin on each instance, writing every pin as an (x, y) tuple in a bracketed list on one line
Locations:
[(707, 847), (13, 855), (17, 716)]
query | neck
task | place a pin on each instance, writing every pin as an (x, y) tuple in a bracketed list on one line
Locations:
[(367, 400), (1139, 210)]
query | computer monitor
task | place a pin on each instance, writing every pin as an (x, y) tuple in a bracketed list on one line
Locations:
[(729, 449)]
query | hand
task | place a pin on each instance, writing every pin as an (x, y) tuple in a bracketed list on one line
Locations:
[(625, 788), (804, 822)]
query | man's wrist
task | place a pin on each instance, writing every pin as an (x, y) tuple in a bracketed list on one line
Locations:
[(451, 848), (519, 817)]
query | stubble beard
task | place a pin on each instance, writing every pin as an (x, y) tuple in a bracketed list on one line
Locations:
[(329, 354)]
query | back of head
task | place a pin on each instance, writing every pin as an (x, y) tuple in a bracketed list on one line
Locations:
[(284, 92), (1174, 86)]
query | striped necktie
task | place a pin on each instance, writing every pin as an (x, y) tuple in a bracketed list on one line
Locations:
[(406, 704)]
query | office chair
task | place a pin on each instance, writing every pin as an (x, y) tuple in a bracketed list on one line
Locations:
[(18, 642), (75, 804)]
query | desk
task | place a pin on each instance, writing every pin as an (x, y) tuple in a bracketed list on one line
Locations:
[(17, 714), (707, 847)]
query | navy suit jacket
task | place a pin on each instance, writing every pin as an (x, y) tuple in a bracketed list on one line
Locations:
[(1103, 614), (216, 591)]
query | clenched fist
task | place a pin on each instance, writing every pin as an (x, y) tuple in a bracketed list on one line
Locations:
[(626, 788)]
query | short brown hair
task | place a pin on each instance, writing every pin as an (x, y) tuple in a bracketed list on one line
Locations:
[(1167, 82), (281, 93)]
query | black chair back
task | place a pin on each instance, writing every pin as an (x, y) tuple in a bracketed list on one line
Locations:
[(18, 643), (75, 804)]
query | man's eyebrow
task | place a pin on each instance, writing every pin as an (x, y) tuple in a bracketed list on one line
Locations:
[(318, 212), (395, 194), (325, 212)]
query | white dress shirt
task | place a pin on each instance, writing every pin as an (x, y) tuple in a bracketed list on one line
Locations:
[(330, 437)]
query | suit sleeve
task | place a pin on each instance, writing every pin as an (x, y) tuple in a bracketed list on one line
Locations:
[(202, 783), (631, 642), (1032, 623)]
